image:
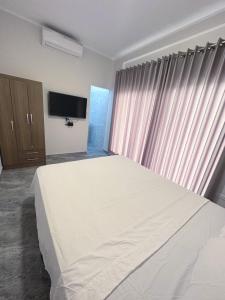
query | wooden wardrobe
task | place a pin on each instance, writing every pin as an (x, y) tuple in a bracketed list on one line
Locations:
[(22, 142)]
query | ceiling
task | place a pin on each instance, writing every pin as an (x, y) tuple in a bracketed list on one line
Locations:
[(111, 27)]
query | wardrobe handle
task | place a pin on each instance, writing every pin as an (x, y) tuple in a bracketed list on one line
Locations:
[(12, 125), (28, 121), (31, 118)]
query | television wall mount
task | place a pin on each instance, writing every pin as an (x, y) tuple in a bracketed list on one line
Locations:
[(69, 122)]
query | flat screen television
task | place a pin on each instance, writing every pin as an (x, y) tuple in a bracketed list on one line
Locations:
[(66, 105)]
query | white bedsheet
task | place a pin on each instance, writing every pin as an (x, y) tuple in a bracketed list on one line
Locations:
[(207, 280), (168, 274), (103, 218)]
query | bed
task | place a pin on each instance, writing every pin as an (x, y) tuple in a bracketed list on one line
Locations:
[(111, 229)]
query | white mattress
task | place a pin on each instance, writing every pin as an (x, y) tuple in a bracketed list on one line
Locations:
[(90, 185)]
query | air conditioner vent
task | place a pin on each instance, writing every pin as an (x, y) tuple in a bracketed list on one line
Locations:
[(61, 42)]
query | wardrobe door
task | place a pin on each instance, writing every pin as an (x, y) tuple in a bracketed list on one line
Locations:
[(36, 115), (21, 111), (7, 126)]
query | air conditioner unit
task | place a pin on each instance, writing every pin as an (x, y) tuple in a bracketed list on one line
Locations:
[(61, 42)]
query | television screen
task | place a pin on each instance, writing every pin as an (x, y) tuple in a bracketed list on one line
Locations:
[(67, 106)]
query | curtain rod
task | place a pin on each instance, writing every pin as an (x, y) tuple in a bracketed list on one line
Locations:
[(220, 42), (201, 49), (211, 46)]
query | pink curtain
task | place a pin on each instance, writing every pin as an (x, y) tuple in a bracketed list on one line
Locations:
[(169, 115), (136, 91)]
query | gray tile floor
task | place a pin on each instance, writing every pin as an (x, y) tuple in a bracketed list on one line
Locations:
[(22, 273)]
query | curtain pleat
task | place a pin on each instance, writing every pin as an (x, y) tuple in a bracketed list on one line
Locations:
[(136, 91), (169, 115)]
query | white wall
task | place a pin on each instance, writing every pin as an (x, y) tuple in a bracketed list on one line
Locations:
[(22, 55), (171, 44)]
